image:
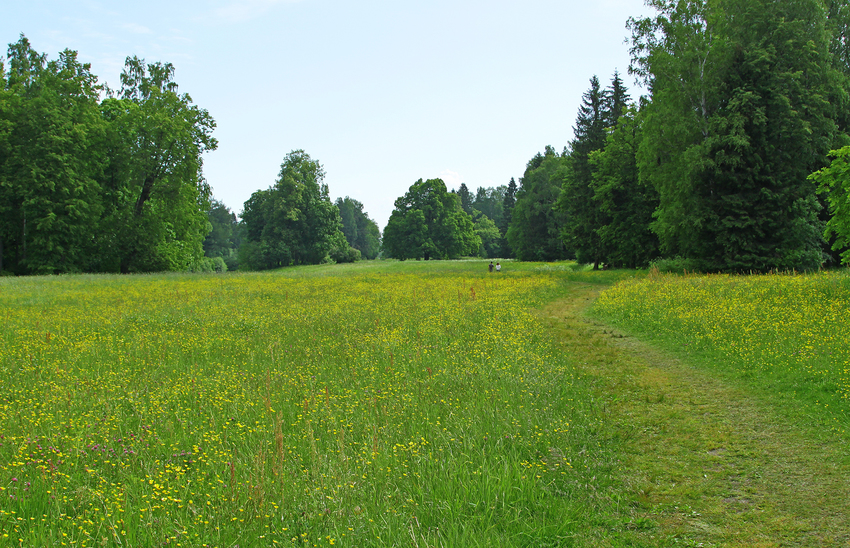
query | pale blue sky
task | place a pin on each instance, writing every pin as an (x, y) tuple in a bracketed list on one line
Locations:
[(382, 93)]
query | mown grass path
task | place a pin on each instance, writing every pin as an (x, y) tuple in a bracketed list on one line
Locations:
[(706, 461)]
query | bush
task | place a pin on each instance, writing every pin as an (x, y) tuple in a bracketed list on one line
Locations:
[(209, 264), (677, 265), (344, 255)]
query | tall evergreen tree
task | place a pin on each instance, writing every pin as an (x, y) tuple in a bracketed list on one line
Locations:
[(465, 198), (615, 98), (598, 111), (508, 204), (775, 129), (626, 202)]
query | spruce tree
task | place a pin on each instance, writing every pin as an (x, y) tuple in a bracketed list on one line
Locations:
[(584, 218)]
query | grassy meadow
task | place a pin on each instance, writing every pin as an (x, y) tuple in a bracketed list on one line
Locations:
[(363, 405), (788, 336), (375, 404)]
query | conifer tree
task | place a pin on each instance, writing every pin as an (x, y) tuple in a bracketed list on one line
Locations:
[(599, 110)]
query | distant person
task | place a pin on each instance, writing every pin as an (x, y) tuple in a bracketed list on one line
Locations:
[(498, 267), (491, 266)]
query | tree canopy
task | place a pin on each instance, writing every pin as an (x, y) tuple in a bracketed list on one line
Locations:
[(733, 128), (535, 232), (91, 185), (293, 222), (429, 223), (361, 232)]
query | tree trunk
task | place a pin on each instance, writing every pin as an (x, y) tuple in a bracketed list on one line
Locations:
[(147, 188), (24, 239)]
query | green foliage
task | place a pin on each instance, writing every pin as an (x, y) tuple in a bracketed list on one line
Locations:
[(599, 110), (739, 115), (838, 25), (680, 56), (626, 203), (675, 265), (534, 233), (491, 202), (508, 204), (344, 254), (225, 235), (774, 130), (50, 162), (428, 223), (209, 264), (834, 181), (158, 199), (488, 232), (361, 232), (465, 198), (87, 185), (292, 222)]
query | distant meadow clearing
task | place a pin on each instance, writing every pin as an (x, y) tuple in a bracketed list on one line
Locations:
[(375, 404)]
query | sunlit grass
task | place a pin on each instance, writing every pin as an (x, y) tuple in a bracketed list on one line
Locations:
[(366, 405), (787, 334)]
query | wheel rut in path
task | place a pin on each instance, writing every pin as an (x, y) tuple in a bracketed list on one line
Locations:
[(705, 461)]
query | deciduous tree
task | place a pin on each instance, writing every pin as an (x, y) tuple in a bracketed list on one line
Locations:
[(740, 114), (834, 181), (50, 162), (155, 195), (429, 223), (293, 222), (361, 232)]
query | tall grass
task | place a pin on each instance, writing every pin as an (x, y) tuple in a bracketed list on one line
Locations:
[(361, 405), (787, 334)]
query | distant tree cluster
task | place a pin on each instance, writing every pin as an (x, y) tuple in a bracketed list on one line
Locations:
[(361, 232), (96, 180), (225, 236), (111, 185), (428, 222), (293, 222)]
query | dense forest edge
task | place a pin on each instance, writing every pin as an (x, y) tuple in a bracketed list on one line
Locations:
[(735, 159)]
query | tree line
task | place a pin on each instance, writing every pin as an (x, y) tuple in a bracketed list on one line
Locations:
[(713, 169), (98, 185), (737, 158)]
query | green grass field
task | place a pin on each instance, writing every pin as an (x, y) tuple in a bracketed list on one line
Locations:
[(374, 404), (788, 335), (370, 405)]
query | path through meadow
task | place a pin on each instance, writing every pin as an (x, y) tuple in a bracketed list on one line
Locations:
[(706, 462)]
